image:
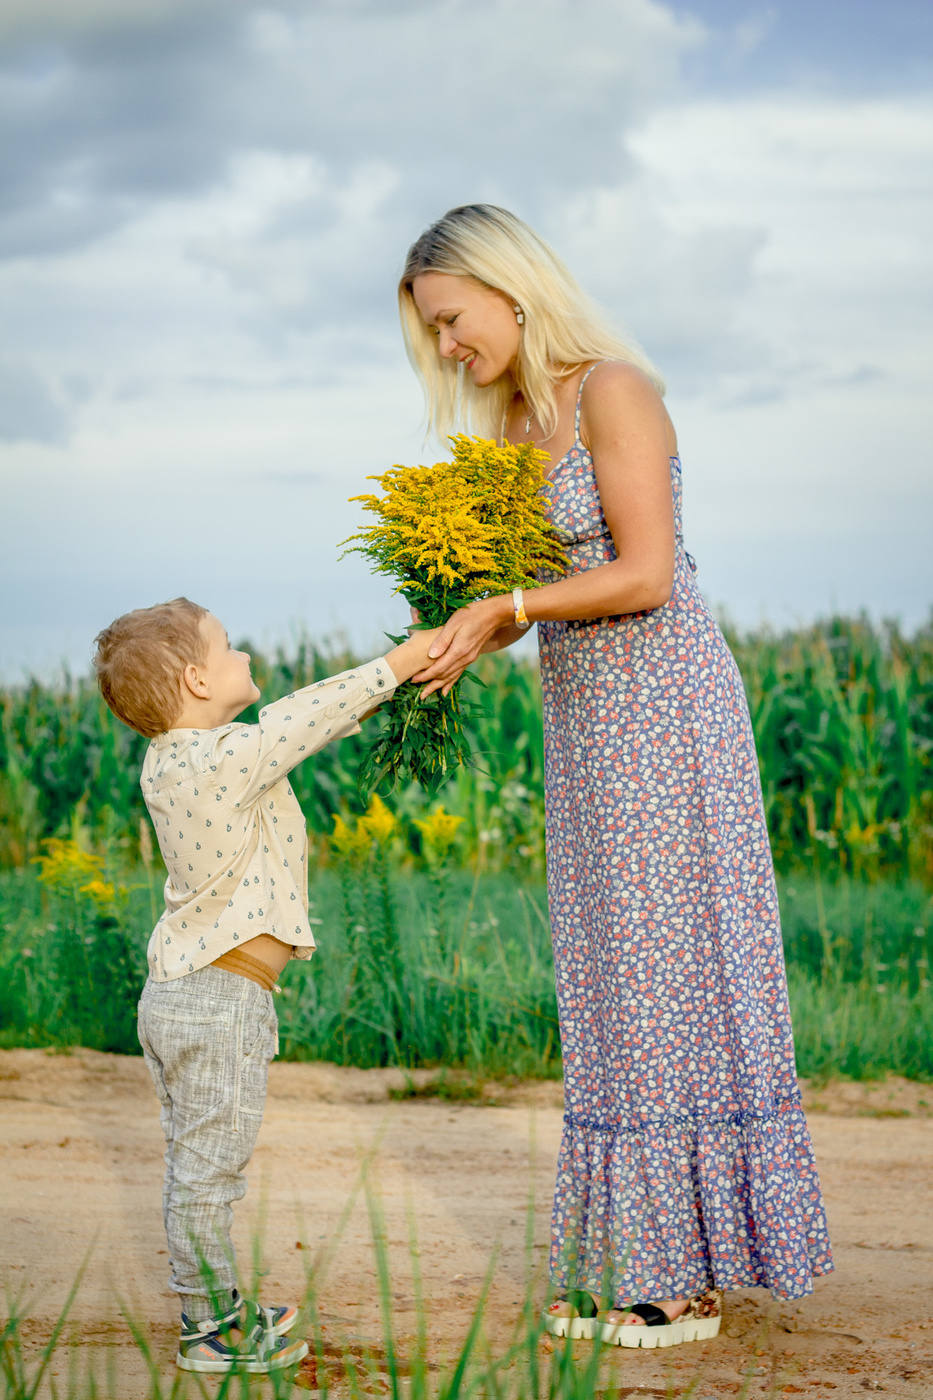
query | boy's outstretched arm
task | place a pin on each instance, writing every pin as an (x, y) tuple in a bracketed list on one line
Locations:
[(406, 659), (412, 655), (245, 759)]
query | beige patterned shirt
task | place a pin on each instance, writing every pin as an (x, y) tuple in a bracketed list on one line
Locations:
[(230, 829)]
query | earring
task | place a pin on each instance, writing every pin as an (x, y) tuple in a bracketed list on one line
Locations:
[(519, 315)]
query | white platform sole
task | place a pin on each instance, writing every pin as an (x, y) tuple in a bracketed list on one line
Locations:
[(575, 1329), (694, 1329)]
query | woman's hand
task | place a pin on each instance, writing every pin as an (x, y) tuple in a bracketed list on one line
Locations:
[(465, 634)]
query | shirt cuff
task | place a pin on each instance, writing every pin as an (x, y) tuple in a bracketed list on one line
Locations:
[(379, 679)]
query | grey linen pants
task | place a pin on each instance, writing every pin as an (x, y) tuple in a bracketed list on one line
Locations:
[(208, 1038)]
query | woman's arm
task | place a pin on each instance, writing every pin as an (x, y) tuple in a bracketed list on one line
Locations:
[(628, 432)]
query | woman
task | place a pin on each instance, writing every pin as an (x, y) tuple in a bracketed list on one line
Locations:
[(686, 1166)]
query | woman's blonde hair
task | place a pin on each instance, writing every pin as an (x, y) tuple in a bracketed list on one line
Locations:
[(562, 326)]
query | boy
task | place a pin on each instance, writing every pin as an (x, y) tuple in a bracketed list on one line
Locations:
[(233, 839)]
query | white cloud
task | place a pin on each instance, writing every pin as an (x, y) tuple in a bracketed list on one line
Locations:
[(794, 231)]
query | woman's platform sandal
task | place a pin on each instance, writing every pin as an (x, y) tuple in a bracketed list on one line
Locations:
[(697, 1323), (574, 1317), (205, 1346)]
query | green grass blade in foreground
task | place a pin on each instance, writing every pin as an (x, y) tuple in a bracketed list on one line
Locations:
[(512, 1374), (14, 1366), (418, 1371), (452, 1389), (377, 1225)]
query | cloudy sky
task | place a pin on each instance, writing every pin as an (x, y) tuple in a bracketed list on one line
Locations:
[(204, 206)]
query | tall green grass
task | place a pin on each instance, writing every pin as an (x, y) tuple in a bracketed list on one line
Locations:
[(408, 976), (842, 712), (432, 958), (843, 720)]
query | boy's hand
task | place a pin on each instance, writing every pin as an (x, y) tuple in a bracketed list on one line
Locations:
[(412, 655)]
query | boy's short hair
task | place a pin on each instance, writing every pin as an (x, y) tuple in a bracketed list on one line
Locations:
[(141, 658)]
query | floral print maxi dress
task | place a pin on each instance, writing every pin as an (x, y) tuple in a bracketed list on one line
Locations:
[(685, 1161)]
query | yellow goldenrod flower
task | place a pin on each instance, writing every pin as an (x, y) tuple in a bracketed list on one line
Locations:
[(474, 525), (439, 831), (102, 894), (64, 865), (350, 843), (449, 534), (379, 822)]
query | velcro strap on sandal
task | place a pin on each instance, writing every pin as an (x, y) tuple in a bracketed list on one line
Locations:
[(651, 1315), (208, 1327)]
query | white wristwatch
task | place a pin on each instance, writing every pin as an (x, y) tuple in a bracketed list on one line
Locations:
[(521, 617)]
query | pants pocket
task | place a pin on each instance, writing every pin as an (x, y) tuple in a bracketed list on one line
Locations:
[(196, 1047), (260, 1043)]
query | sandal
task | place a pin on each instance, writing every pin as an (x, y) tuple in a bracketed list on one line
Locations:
[(202, 1348), (703, 1316), (697, 1323), (574, 1316)]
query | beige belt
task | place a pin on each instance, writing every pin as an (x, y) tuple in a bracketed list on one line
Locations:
[(235, 960)]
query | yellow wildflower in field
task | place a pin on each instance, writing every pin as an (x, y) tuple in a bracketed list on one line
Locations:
[(63, 865), (66, 866), (439, 832), (377, 825), (379, 822), (102, 893), (352, 843)]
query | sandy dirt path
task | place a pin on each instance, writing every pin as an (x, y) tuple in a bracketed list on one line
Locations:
[(80, 1161)]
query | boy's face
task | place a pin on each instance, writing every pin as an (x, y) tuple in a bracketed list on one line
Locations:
[(225, 670)]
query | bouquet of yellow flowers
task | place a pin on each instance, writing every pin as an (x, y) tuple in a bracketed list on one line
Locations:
[(449, 534)]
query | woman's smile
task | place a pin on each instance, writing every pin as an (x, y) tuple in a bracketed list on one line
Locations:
[(474, 325)]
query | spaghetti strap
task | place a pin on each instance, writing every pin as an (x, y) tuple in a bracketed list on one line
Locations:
[(576, 416)]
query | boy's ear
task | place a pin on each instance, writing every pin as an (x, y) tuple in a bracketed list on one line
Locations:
[(193, 683)]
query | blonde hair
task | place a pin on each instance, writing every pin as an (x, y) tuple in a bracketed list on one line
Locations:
[(562, 326), (141, 658)]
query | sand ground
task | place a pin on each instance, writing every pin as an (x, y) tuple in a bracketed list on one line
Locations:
[(80, 1149)]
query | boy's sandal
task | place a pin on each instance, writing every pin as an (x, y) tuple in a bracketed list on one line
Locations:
[(698, 1322), (202, 1346), (574, 1316)]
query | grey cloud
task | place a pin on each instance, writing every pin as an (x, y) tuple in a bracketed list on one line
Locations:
[(112, 115), (37, 19), (679, 290), (28, 412), (863, 374)]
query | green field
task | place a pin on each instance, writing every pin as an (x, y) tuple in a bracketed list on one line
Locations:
[(434, 942)]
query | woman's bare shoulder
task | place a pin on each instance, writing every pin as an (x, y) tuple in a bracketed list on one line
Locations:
[(617, 393), (618, 379)]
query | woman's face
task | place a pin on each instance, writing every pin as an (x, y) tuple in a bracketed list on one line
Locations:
[(473, 323)]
